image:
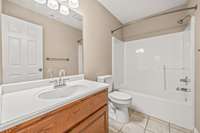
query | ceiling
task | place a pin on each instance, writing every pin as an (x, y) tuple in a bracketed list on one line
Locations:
[(129, 10), (74, 19)]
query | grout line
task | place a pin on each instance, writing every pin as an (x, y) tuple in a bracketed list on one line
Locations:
[(145, 128), (121, 128), (146, 125)]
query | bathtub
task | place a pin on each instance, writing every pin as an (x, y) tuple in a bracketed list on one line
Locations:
[(179, 112)]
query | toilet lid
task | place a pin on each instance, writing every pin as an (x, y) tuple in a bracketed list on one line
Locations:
[(120, 95)]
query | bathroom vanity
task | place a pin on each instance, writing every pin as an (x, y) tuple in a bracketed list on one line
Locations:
[(85, 111), (87, 115)]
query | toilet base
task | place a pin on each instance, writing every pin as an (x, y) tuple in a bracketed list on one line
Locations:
[(120, 114)]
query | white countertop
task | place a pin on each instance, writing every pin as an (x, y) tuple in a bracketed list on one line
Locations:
[(21, 106)]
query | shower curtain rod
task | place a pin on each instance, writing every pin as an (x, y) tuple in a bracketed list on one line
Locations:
[(156, 15)]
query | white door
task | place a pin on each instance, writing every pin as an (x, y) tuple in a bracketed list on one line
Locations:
[(22, 46)]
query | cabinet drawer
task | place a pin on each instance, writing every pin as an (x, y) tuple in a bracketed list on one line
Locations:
[(22, 131), (81, 111), (47, 125)]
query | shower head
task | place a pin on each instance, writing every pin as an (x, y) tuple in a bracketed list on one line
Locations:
[(181, 21)]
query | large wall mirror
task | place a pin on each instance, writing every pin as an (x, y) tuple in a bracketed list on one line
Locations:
[(40, 40)]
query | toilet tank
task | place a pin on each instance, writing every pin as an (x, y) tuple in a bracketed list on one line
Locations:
[(106, 79)]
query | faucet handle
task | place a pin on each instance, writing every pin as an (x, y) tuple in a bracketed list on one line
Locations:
[(54, 81), (64, 80), (183, 89), (62, 73), (186, 80)]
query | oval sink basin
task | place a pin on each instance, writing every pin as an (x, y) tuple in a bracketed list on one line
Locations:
[(62, 92)]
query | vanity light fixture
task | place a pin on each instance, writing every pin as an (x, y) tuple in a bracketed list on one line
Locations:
[(53, 4), (73, 3), (64, 10), (63, 6), (41, 1)]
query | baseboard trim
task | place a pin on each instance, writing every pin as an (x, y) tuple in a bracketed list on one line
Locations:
[(195, 130)]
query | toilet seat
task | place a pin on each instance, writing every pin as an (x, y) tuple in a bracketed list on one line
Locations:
[(120, 97)]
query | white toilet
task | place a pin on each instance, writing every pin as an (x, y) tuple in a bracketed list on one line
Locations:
[(118, 101)]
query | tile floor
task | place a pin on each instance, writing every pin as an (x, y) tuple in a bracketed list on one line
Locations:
[(141, 123)]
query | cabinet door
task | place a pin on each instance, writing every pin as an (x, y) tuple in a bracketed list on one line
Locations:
[(97, 123), (72, 116)]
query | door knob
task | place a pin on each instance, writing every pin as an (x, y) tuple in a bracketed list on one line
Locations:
[(40, 69)]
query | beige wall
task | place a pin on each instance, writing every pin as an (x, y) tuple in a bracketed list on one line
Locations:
[(97, 38), (0, 5), (153, 27), (60, 40)]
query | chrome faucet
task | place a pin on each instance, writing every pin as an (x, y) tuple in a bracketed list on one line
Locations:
[(55, 83), (186, 80), (61, 81)]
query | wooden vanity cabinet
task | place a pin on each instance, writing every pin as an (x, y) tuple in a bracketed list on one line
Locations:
[(88, 115)]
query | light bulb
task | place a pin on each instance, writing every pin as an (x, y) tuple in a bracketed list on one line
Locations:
[(64, 10), (53, 4), (73, 3), (41, 1)]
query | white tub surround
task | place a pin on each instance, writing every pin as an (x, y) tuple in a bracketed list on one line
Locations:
[(158, 73), (21, 104)]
